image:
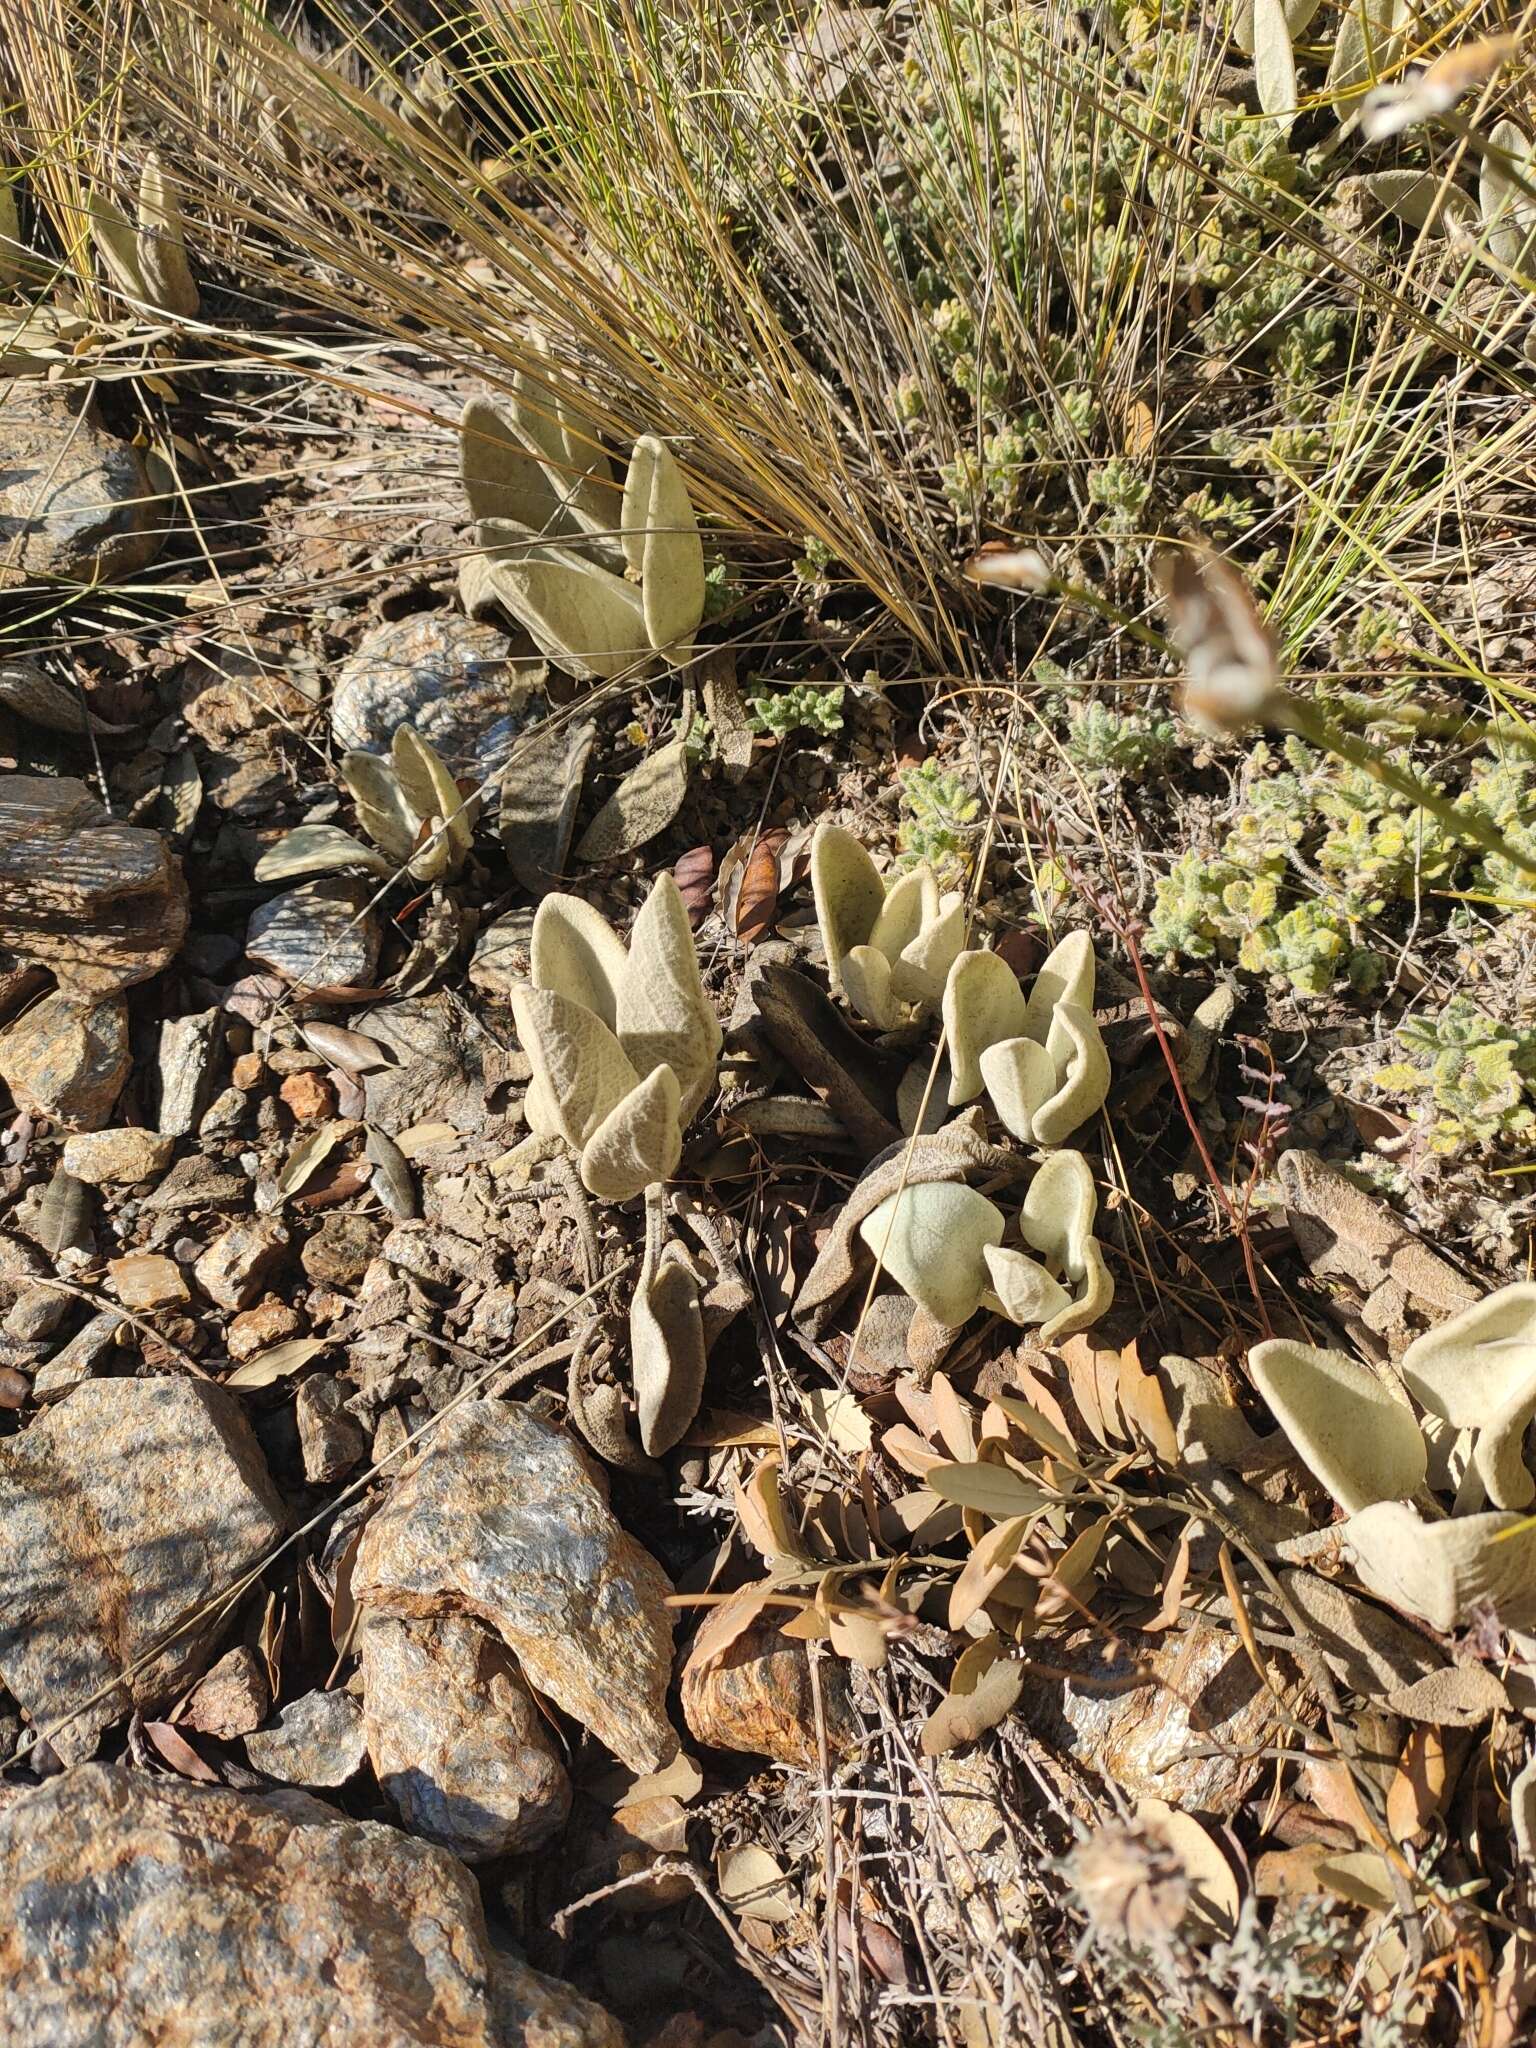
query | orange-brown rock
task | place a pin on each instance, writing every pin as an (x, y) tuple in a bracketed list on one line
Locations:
[(755, 1695)]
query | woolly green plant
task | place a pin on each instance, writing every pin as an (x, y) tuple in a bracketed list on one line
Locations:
[(410, 807), (1479, 1075), (146, 258), (602, 579)]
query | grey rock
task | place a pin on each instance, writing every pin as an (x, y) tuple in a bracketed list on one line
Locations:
[(184, 1059), (137, 1910), (445, 1066), (456, 1739), (240, 1261), (75, 502), (67, 1060), (330, 1440), (78, 1359), (320, 935), (456, 683), (126, 1508), (318, 1740), (503, 1519)]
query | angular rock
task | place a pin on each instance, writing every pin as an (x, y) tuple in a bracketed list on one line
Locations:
[(503, 1519), (318, 1740), (321, 935), (756, 1696), (77, 1361), (75, 502), (126, 1507), (454, 682), (101, 903), (68, 1061), (184, 1059), (147, 1280), (117, 1158), (456, 1740), (232, 1700), (240, 1261), (258, 1329), (330, 1439), (137, 1910)]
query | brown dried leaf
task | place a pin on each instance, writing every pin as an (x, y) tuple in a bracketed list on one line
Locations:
[(757, 900), (1141, 1402), (353, 1051), (306, 1158), (174, 1749), (754, 1886), (391, 1179), (694, 873)]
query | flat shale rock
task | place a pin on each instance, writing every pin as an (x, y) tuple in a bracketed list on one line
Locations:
[(137, 1910), (101, 903), (456, 1740), (318, 1740), (124, 1507), (68, 1060), (503, 1519), (456, 683), (75, 502), (321, 935)]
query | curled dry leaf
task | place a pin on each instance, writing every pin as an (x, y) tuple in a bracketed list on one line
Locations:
[(1214, 1894), (757, 899), (540, 793), (694, 873), (353, 1051)]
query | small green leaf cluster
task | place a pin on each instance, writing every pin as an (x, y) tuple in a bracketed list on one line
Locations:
[(808, 707), (1103, 741), (1479, 1075), (938, 826)]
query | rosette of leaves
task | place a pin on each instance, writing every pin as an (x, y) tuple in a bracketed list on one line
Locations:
[(950, 1248), (942, 1243), (603, 580), (146, 258), (623, 1040), (1040, 1058), (411, 807), (1388, 1455), (889, 946)]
